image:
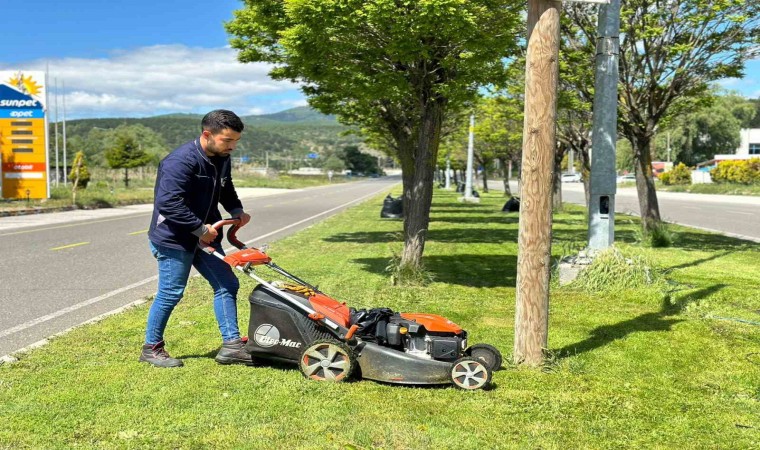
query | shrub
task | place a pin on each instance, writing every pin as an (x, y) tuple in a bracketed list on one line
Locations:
[(658, 237), (679, 175), (79, 169), (404, 275), (742, 172), (612, 269)]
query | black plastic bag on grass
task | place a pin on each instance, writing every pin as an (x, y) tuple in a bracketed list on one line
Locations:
[(512, 205), (393, 208)]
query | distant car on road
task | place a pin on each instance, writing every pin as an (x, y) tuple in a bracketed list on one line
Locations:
[(629, 178), (571, 178)]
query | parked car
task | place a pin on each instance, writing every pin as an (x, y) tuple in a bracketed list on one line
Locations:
[(628, 178), (571, 178)]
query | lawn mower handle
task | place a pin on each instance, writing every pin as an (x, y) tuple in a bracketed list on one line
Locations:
[(231, 234), (314, 315)]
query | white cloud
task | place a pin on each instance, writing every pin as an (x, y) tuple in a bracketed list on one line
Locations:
[(165, 79), (294, 103)]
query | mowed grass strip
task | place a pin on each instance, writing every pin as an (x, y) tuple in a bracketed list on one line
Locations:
[(109, 195), (663, 366)]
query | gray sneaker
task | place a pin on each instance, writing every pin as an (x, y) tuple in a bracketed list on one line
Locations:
[(234, 352), (157, 355)]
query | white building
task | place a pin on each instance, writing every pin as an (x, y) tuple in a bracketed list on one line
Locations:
[(750, 146)]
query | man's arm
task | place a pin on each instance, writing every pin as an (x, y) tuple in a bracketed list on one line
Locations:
[(229, 199), (174, 186)]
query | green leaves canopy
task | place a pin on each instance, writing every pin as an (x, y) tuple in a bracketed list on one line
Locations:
[(352, 54), (392, 66)]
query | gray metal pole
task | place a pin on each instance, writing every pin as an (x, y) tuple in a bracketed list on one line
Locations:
[(57, 172), (570, 162), (470, 151), (65, 167), (448, 170), (601, 228), (47, 128), (668, 146)]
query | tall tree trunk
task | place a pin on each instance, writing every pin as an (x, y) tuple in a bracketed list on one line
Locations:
[(505, 174), (585, 160), (418, 185), (559, 155), (557, 180), (535, 234), (648, 205), (485, 179), (126, 177)]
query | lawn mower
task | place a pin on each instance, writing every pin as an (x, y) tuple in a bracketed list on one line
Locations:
[(294, 322)]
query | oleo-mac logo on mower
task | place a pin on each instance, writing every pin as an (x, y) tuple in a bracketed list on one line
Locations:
[(268, 336)]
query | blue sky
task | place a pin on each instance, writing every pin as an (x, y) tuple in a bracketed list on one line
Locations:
[(138, 58)]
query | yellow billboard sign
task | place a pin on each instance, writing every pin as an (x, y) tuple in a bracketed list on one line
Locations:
[(23, 135)]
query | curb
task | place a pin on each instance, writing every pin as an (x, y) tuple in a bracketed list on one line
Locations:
[(10, 358)]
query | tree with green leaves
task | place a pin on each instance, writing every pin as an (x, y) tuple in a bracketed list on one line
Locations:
[(498, 133), (670, 52), (755, 122), (334, 163), (79, 175), (358, 162), (711, 130), (392, 68), (126, 153), (574, 104)]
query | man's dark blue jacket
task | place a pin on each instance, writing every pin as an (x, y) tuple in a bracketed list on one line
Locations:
[(189, 187)]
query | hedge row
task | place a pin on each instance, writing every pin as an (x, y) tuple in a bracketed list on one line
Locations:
[(742, 172)]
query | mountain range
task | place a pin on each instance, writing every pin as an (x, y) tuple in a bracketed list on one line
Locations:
[(294, 133)]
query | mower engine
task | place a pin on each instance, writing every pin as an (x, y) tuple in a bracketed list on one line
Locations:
[(426, 336)]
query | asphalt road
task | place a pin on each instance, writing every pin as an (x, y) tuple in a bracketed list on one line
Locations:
[(60, 270), (731, 215)]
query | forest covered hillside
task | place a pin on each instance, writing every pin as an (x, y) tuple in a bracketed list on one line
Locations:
[(294, 133)]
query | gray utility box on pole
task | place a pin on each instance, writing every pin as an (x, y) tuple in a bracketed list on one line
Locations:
[(601, 227)]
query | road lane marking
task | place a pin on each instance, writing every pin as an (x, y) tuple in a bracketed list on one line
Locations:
[(264, 236), (91, 301), (71, 308), (138, 232), (69, 246), (742, 213), (78, 224)]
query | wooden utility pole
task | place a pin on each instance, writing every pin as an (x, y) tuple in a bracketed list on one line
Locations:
[(534, 241)]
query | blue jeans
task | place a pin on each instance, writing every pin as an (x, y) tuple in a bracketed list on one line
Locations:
[(173, 271)]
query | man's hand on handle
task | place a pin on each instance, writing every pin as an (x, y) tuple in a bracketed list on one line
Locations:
[(244, 219), (211, 232)]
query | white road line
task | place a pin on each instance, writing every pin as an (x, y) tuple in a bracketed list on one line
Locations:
[(316, 215), (79, 223), (71, 308), (91, 301), (742, 213)]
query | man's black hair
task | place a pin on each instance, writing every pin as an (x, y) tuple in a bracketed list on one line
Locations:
[(221, 119)]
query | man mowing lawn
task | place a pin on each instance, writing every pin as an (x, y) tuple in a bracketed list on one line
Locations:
[(190, 184)]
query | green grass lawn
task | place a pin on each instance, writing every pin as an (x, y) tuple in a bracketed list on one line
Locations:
[(669, 365), (713, 188), (113, 193), (285, 181)]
